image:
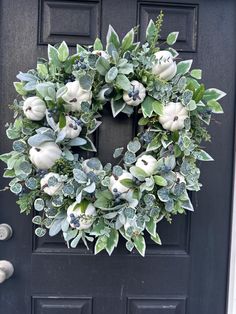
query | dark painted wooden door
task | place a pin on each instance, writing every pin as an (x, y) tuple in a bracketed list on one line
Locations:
[(188, 274)]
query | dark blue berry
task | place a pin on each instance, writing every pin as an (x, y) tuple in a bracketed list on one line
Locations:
[(117, 201), (115, 190)]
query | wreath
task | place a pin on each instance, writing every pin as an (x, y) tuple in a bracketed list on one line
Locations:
[(57, 113)]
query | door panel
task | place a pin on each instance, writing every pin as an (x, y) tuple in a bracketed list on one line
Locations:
[(188, 274)]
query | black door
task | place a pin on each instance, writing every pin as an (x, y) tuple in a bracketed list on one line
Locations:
[(188, 274)]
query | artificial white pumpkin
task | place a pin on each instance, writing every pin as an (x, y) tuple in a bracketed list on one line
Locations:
[(81, 215), (116, 186), (173, 116), (136, 95), (75, 95), (101, 53), (34, 108), (88, 169), (147, 163), (54, 189), (165, 67), (128, 196), (179, 177), (45, 155), (71, 129)]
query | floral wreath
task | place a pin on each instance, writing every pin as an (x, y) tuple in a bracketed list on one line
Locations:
[(60, 108)]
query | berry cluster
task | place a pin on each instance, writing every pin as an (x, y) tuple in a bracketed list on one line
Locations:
[(134, 94), (80, 64), (69, 78)]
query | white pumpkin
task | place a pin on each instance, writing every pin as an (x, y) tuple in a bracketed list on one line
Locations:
[(71, 129), (128, 196), (51, 190), (116, 186), (173, 116), (75, 95), (136, 95), (81, 215), (45, 155), (147, 163), (87, 169), (101, 53), (165, 67), (34, 108), (179, 177)]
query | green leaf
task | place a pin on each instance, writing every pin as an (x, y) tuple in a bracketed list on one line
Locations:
[(37, 220), (62, 120), (9, 173), (202, 155), (151, 227), (123, 82), (158, 107), (19, 87), (171, 38), (63, 52), (159, 180), (118, 152), (147, 106), (134, 146), (39, 204), (213, 94), (112, 37), (155, 144), (86, 81), (140, 245), (138, 173), (111, 74), (117, 106), (102, 66), (126, 69), (156, 239), (42, 69), (128, 40), (16, 188), (55, 227), (112, 241), (198, 94), (40, 232), (215, 106), (196, 73), (100, 244), (97, 44), (129, 183), (102, 202), (150, 31), (89, 146), (53, 55), (143, 121), (184, 66)]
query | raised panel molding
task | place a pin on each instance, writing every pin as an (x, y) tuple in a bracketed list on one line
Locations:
[(72, 21), (177, 17), (156, 306), (61, 305)]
